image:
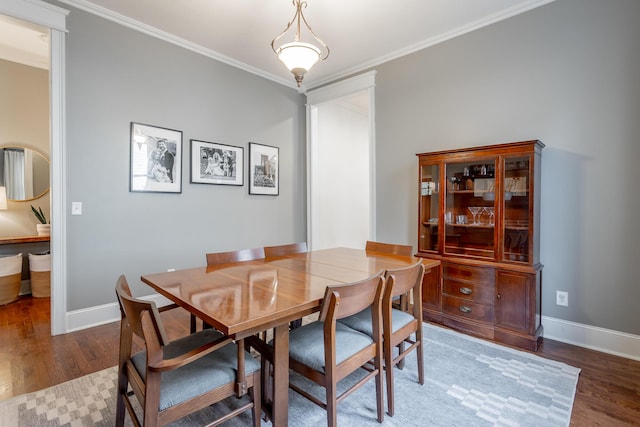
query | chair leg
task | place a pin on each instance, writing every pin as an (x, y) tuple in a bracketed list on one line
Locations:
[(267, 394), (400, 351), (420, 355), (332, 412), (122, 390), (388, 369), (193, 324), (257, 404), (379, 391)]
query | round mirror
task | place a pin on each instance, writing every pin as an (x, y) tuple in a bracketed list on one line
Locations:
[(24, 172)]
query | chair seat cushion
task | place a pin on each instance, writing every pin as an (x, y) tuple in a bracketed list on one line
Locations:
[(211, 371), (306, 344), (362, 321)]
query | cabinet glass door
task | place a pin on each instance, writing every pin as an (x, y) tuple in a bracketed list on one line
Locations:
[(517, 212), (470, 208), (429, 210)]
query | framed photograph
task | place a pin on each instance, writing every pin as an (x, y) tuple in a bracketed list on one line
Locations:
[(263, 169), (156, 159), (213, 163)]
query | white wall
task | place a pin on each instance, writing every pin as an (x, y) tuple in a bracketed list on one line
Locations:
[(340, 189)]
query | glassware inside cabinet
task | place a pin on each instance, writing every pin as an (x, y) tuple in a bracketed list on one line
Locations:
[(470, 208), (429, 207), (516, 209)]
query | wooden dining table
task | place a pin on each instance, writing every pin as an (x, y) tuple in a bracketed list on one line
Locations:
[(242, 299)]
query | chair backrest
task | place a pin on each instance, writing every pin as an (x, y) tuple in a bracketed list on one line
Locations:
[(283, 250), (405, 279), (142, 317), (388, 248), (216, 258), (342, 301)]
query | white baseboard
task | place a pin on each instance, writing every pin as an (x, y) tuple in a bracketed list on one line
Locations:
[(605, 340), (103, 314)]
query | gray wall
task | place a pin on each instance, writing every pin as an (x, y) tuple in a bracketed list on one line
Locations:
[(567, 74), (116, 75)]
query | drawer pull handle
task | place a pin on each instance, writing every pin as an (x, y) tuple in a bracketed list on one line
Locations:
[(465, 309), (466, 291)]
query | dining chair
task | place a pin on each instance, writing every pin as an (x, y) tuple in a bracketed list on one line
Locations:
[(388, 248), (173, 379), (218, 258), (391, 249), (398, 326), (326, 351), (271, 252)]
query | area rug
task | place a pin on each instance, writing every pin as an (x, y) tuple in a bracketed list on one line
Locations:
[(468, 382)]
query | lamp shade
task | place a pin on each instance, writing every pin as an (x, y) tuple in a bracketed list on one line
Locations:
[(296, 55), (3, 198)]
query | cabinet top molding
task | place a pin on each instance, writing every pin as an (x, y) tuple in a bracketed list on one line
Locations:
[(534, 144)]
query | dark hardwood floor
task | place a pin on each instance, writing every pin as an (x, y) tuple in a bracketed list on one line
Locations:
[(31, 359)]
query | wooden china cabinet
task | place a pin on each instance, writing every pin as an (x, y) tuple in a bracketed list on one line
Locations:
[(479, 214)]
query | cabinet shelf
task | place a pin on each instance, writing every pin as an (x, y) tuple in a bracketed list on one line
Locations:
[(472, 225)]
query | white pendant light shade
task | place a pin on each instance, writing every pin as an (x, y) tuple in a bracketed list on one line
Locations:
[(299, 55)]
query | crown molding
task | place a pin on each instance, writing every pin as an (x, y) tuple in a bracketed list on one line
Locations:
[(170, 38), (36, 12), (456, 32)]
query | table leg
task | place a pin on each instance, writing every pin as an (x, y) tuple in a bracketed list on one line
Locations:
[(280, 415)]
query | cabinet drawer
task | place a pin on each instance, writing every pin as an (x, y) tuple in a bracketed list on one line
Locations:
[(475, 292), (469, 309), (468, 273)]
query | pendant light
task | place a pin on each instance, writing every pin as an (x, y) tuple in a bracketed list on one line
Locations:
[(299, 56)]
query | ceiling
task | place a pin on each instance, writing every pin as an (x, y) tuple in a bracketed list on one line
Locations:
[(24, 43), (360, 33)]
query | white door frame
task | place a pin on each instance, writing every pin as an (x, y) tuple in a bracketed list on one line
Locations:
[(332, 92), (54, 18)]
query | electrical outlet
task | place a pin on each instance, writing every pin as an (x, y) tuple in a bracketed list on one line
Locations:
[(562, 298)]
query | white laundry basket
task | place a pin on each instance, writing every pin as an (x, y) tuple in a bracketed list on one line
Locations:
[(10, 276), (40, 272)]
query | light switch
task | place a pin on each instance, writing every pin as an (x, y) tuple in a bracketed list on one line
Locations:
[(76, 208)]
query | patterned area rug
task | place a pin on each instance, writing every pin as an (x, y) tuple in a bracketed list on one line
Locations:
[(467, 382)]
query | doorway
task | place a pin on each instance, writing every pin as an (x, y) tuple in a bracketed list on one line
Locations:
[(341, 164), (54, 19)]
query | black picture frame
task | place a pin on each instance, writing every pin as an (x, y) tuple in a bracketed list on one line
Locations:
[(264, 173), (213, 163), (156, 159)]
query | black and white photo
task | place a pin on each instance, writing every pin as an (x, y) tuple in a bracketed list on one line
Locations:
[(156, 159), (263, 169), (213, 163)]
